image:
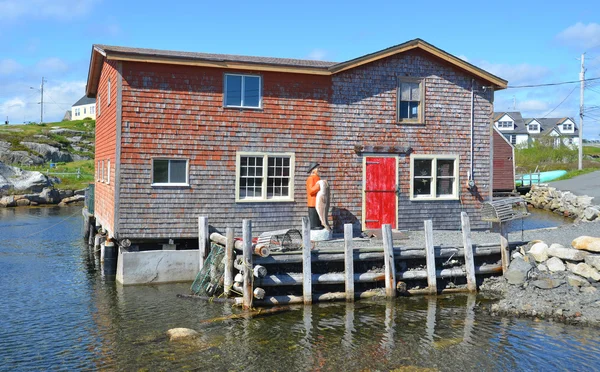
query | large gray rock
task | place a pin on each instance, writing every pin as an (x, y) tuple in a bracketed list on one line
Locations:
[(555, 264), (518, 271), (50, 153), (577, 281), (181, 334), (585, 270), (13, 178), (17, 157), (591, 213), (50, 196), (593, 260), (557, 250), (65, 132), (539, 251), (547, 283)]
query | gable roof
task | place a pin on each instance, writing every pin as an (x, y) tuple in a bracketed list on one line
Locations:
[(547, 125), (105, 52), (84, 101)]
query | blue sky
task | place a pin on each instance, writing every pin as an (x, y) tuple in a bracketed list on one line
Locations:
[(525, 42)]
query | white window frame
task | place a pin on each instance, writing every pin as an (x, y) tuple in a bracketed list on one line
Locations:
[(92, 110), (108, 93), (568, 128), (435, 157), (98, 172), (263, 197), (243, 76), (505, 124), (98, 106), (172, 184), (421, 116), (108, 171), (102, 171), (533, 128)]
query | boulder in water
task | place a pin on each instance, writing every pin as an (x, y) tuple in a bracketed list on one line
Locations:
[(182, 334)]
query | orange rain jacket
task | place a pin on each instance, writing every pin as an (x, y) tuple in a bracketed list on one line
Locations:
[(312, 188)]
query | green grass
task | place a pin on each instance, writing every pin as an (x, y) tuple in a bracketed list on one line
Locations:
[(591, 150), (69, 182)]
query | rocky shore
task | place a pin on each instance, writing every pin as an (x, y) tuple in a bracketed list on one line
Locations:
[(563, 202), (550, 282)]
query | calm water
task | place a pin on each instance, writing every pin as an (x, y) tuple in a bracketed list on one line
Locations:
[(538, 219), (59, 313)]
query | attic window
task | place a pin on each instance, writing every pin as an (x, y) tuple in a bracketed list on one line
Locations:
[(534, 128), (567, 127), (410, 100), (505, 125)]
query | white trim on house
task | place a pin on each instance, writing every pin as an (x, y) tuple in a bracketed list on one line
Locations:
[(505, 123), (420, 116), (265, 176), (534, 127), (433, 176)]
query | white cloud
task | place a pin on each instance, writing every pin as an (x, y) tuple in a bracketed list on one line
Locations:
[(9, 67), (317, 54), (517, 74), (581, 35), (58, 9), (52, 65), (58, 98)]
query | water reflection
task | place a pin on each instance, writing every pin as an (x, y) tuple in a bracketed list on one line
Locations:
[(62, 313)]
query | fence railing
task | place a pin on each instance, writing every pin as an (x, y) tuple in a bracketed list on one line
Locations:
[(78, 173)]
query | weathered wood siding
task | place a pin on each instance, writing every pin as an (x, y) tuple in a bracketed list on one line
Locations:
[(504, 171), (177, 111), (106, 141), (364, 113)]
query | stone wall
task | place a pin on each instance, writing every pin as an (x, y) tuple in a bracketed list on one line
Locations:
[(563, 202)]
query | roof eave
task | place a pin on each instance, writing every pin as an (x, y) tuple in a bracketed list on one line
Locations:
[(93, 79), (496, 82)]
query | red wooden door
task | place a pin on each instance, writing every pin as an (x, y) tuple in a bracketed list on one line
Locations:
[(380, 192)]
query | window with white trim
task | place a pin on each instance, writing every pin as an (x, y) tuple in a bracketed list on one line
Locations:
[(410, 100), (505, 125), (170, 172), (434, 177), (91, 110), (108, 171), (567, 127), (513, 139), (108, 93), (98, 105), (98, 171), (242, 91), (534, 128), (102, 171), (264, 177)]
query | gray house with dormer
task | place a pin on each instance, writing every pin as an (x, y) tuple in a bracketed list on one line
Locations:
[(519, 130)]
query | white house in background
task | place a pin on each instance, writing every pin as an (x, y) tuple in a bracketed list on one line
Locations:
[(519, 131), (84, 108)]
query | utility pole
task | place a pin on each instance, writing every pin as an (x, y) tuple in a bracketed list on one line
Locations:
[(42, 104), (582, 83)]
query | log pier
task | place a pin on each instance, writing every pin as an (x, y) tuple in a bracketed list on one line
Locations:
[(264, 277)]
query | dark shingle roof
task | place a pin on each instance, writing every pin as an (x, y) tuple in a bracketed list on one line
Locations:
[(546, 124), (84, 101), (520, 127), (216, 57)]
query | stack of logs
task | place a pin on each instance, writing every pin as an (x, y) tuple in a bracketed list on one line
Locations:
[(254, 260)]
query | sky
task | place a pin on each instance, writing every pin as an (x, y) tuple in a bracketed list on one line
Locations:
[(524, 42)]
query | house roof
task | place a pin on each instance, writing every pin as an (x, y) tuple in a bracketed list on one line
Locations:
[(105, 52), (546, 124), (85, 100)]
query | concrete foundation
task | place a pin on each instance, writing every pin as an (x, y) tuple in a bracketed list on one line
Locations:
[(157, 266), (320, 235)]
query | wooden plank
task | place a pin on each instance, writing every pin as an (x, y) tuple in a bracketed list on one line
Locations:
[(228, 275), (430, 257), (306, 262), (468, 244), (349, 262), (504, 251), (203, 243), (248, 277), (388, 261)]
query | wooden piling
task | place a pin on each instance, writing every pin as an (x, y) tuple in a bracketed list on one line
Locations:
[(91, 233), (430, 257), (504, 251), (306, 262), (248, 277), (203, 242), (349, 262), (388, 261), (228, 275), (468, 245)]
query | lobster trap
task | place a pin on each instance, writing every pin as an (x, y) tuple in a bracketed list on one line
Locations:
[(281, 240), (209, 281), (503, 210)]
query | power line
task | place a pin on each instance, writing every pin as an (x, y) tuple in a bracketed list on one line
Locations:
[(550, 84), (561, 102)]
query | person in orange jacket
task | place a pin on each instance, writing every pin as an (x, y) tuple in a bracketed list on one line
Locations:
[(312, 188)]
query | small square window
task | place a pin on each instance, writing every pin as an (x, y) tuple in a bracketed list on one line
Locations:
[(173, 172), (242, 91), (434, 177)]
